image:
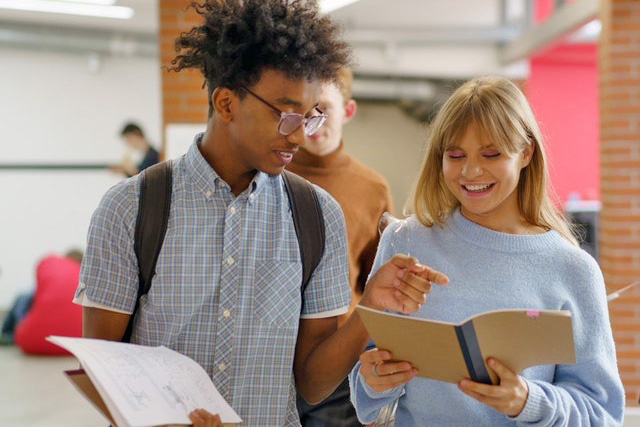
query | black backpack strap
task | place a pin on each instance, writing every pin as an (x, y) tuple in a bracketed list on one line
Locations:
[(151, 225), (308, 222)]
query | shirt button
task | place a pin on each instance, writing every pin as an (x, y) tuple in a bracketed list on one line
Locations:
[(222, 367), (226, 313), (230, 260), (208, 194), (252, 196), (232, 210)]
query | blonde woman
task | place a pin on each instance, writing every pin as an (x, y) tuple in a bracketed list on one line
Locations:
[(482, 216)]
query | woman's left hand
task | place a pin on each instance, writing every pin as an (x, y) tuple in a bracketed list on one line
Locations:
[(508, 397)]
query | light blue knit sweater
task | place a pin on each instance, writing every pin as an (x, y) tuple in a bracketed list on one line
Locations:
[(489, 270)]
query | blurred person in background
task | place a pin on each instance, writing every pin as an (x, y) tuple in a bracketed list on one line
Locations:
[(363, 195), (47, 310), (141, 153)]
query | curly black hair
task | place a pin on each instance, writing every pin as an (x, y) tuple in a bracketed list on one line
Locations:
[(240, 38)]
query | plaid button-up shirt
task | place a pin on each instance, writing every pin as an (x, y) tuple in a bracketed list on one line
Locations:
[(227, 289)]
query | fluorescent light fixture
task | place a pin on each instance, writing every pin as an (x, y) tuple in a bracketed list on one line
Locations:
[(101, 2), (588, 33), (592, 29), (70, 8), (327, 6), (616, 294)]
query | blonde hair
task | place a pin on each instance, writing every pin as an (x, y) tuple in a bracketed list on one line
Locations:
[(504, 116)]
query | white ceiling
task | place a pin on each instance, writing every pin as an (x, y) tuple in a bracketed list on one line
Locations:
[(402, 47), (144, 20), (369, 14), (424, 13)]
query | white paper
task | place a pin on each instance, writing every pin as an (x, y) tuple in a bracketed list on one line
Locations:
[(147, 386)]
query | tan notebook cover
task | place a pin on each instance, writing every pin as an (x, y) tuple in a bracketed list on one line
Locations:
[(450, 352), (84, 385)]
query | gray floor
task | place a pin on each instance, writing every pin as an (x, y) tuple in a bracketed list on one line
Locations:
[(35, 393)]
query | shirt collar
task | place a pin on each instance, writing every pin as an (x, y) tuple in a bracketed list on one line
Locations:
[(257, 184), (208, 180)]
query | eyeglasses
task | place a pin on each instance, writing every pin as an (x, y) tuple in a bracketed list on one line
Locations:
[(289, 122)]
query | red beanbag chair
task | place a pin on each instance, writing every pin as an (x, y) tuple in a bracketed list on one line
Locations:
[(52, 312)]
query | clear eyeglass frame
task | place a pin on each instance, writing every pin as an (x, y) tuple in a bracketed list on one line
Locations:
[(289, 122)]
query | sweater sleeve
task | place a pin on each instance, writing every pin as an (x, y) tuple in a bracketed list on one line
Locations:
[(366, 401), (589, 392)]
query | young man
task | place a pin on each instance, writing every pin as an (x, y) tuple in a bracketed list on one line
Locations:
[(227, 288), (134, 138), (364, 196)]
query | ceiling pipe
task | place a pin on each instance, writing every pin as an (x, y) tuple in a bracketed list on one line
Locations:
[(566, 19), (77, 41), (432, 35)]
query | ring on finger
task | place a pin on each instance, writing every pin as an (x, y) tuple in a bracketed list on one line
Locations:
[(374, 371)]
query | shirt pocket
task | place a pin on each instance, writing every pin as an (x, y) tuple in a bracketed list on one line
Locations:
[(277, 293)]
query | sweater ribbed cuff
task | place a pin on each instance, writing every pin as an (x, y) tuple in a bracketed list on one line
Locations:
[(532, 411), (393, 392)]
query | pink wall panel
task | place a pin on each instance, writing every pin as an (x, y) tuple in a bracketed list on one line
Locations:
[(563, 91)]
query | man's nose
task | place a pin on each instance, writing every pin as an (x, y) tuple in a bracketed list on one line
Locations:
[(298, 136)]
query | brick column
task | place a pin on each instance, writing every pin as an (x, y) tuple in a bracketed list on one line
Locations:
[(183, 98), (619, 233)]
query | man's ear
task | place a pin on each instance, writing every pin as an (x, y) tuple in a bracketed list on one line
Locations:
[(222, 99), (350, 110)]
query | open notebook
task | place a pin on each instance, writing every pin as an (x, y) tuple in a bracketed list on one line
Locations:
[(140, 386), (449, 352)]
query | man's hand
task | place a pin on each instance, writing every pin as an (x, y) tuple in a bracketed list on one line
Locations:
[(509, 397), (202, 418), (381, 374), (401, 284)]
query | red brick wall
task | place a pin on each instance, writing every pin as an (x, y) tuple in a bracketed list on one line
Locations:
[(619, 233), (183, 98)]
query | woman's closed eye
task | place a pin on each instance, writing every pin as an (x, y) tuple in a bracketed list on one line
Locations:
[(491, 154), (455, 154)]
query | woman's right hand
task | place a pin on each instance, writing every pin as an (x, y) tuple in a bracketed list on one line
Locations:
[(202, 418), (382, 374)]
